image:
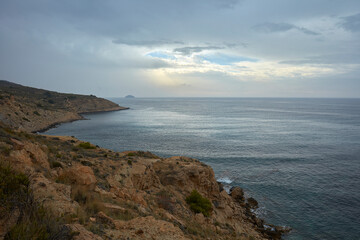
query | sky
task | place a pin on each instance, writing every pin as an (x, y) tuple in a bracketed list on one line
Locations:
[(183, 48)]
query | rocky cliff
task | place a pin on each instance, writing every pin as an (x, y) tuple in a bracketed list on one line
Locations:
[(103, 194), (62, 188), (33, 109)]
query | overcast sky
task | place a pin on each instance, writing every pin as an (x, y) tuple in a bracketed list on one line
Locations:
[(183, 48)]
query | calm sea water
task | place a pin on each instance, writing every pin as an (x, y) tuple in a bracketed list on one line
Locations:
[(300, 158)]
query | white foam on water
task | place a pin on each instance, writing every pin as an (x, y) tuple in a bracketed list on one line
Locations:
[(224, 180), (227, 188), (267, 227), (260, 212)]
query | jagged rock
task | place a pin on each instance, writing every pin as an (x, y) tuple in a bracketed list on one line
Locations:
[(237, 194), (148, 186), (253, 204), (104, 219), (27, 154), (82, 233), (53, 195), (147, 228), (187, 174), (80, 175), (17, 144), (37, 155)]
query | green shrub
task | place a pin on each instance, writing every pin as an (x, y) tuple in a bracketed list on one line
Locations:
[(34, 222), (199, 204), (13, 186), (86, 145), (131, 154), (36, 113)]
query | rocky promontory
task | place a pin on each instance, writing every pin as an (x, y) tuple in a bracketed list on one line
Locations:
[(54, 187), (34, 110)]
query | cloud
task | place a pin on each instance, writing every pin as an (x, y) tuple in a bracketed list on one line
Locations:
[(147, 43), (159, 54), (227, 3), (191, 50), (282, 27), (340, 58), (224, 59), (126, 42), (351, 23)]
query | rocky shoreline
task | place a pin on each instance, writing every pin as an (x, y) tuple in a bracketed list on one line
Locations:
[(55, 124), (36, 110), (96, 193)]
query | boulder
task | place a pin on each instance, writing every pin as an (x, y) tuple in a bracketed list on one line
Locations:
[(237, 194), (79, 175), (253, 204), (82, 233)]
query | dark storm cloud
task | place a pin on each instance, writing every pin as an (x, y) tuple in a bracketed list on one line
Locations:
[(282, 27), (351, 23)]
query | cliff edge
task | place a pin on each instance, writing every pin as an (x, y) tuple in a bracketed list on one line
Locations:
[(54, 187)]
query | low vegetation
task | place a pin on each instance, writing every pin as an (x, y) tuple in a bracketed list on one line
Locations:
[(199, 204), (86, 145), (26, 218)]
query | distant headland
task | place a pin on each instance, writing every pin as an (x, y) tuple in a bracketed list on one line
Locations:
[(34, 110)]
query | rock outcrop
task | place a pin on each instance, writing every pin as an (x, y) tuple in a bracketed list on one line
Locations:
[(108, 195), (95, 193), (34, 110)]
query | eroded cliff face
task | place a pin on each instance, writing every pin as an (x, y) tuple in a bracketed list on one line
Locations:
[(130, 195), (33, 110), (95, 193)]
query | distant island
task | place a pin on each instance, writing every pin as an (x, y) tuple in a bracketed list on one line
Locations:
[(129, 96)]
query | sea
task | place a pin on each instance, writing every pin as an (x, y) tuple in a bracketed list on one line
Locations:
[(300, 158)]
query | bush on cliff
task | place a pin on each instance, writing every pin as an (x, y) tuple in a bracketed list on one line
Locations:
[(86, 145), (199, 204), (22, 217)]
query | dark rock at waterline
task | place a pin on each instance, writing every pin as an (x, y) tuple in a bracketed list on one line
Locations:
[(252, 203), (237, 194), (221, 186), (273, 232)]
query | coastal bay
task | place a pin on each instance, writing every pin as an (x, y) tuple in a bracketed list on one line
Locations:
[(296, 157)]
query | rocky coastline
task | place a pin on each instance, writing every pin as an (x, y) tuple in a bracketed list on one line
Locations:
[(96, 193), (37, 110)]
